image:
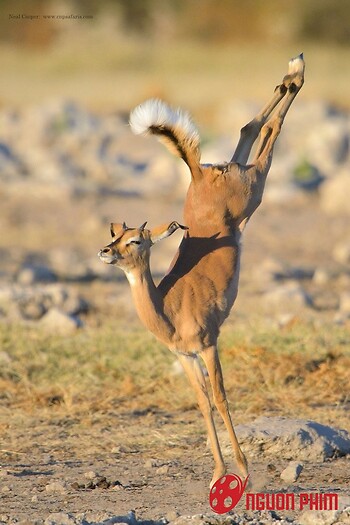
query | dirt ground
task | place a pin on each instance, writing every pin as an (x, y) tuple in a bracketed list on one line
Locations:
[(150, 460), (166, 477)]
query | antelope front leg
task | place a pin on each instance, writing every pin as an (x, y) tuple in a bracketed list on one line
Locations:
[(195, 375), (211, 359), (250, 132)]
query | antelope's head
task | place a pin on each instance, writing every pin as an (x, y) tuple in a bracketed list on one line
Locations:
[(130, 247)]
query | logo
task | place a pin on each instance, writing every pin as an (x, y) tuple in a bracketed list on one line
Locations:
[(226, 493), (228, 490)]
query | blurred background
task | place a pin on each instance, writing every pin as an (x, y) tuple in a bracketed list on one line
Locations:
[(198, 53), (213, 58), (73, 70)]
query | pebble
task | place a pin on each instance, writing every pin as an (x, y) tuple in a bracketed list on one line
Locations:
[(308, 517), (292, 472), (56, 487), (162, 470), (91, 474), (60, 518), (151, 463)]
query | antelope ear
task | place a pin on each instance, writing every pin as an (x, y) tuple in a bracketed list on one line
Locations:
[(165, 230), (117, 229)]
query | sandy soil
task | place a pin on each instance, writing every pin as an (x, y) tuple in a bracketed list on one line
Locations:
[(167, 476)]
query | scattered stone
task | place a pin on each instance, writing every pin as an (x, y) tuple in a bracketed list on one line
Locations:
[(56, 487), (61, 518), (95, 481), (151, 463), (162, 470), (30, 275), (269, 270), (289, 296), (91, 474), (341, 252), (292, 472), (75, 305), (57, 321), (292, 438), (102, 483), (319, 517), (31, 308), (77, 486), (172, 515)]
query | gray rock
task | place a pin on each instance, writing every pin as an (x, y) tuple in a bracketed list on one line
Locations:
[(172, 515), (292, 438), (319, 517), (56, 294), (164, 469), (334, 195), (292, 472), (61, 518), (287, 296), (75, 305), (35, 274), (56, 321), (32, 308), (269, 270)]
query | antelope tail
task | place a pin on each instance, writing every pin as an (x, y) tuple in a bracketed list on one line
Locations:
[(173, 127)]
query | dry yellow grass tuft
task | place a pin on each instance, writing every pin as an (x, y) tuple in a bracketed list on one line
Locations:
[(298, 372)]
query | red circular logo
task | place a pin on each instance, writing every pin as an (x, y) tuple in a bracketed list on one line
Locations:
[(226, 493)]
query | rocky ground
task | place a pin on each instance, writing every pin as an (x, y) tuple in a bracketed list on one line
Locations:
[(64, 175)]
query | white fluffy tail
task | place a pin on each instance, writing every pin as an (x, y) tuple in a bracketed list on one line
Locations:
[(173, 127)]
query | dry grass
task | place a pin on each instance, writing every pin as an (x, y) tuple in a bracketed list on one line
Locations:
[(301, 371), (298, 372)]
